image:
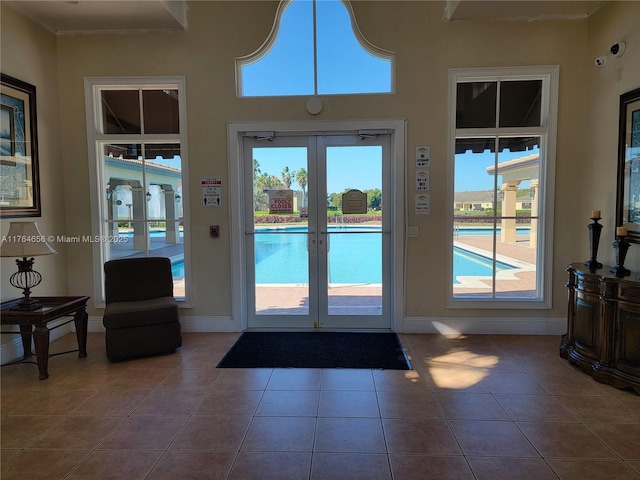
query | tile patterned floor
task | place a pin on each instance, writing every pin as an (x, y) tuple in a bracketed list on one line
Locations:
[(474, 407)]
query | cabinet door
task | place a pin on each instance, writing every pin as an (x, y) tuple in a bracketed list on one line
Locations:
[(626, 354), (586, 325)]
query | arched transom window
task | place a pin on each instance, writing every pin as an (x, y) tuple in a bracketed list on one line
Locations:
[(315, 48)]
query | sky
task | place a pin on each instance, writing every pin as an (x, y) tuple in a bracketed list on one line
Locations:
[(343, 67), (471, 169), (347, 167), (360, 167)]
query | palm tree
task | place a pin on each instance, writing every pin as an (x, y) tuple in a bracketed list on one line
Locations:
[(287, 176), (257, 193), (301, 178)]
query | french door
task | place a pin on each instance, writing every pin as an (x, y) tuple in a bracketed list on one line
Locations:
[(317, 236)]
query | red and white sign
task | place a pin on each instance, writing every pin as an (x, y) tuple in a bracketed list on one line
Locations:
[(211, 191), (280, 202)]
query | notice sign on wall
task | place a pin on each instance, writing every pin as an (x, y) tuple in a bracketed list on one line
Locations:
[(211, 191), (422, 180), (423, 204), (280, 202), (354, 201)]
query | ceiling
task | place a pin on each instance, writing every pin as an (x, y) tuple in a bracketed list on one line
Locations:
[(523, 10), (86, 16), (90, 16)]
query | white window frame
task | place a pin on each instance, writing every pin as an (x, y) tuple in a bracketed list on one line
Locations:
[(92, 89), (547, 133)]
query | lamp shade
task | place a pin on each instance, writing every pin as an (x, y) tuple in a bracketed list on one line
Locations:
[(24, 240)]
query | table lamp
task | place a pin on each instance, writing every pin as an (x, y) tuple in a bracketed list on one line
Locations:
[(25, 240)]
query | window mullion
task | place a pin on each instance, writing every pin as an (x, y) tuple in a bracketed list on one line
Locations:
[(315, 50), (502, 132), (147, 138), (141, 113)]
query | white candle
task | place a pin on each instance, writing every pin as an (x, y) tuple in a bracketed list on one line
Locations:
[(595, 214), (621, 231)]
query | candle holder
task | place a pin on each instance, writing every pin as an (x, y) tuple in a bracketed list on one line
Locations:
[(594, 240), (622, 246)]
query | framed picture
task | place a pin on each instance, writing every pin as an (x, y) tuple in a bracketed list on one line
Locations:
[(19, 178), (628, 201)]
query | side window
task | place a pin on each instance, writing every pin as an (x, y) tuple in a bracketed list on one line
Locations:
[(315, 48), (503, 129), (138, 141)]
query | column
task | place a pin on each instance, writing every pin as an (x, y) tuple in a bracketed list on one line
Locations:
[(508, 228), (112, 209), (533, 234), (172, 234), (140, 239)]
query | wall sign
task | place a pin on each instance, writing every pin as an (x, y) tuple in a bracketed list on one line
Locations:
[(211, 191), (354, 201)]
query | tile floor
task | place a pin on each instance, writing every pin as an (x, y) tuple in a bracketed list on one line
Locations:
[(475, 407)]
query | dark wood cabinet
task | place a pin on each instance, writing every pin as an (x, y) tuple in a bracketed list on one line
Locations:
[(603, 325)]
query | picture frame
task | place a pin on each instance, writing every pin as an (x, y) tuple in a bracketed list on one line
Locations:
[(19, 163), (628, 191)]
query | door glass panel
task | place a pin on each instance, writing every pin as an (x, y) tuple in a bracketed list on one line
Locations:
[(354, 240), (280, 222)]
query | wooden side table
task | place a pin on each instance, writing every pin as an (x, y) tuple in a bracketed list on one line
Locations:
[(34, 324)]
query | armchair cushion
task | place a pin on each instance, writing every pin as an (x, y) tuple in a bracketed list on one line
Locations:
[(145, 312)]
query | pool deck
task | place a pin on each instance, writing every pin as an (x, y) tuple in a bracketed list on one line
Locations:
[(366, 299), (343, 300), (521, 284)]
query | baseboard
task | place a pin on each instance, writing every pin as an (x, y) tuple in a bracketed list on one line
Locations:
[(12, 350), (189, 324), (484, 326), (442, 325)]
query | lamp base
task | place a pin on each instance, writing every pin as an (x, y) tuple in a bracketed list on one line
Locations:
[(27, 305)]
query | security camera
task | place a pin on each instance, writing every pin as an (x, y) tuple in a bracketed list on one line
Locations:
[(617, 49), (601, 61)]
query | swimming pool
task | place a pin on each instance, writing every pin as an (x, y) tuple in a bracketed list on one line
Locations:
[(282, 258), (469, 264), (352, 258)]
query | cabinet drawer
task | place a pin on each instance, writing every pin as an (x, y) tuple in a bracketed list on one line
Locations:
[(629, 292), (590, 284)]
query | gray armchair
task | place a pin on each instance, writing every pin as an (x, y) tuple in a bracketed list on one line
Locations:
[(142, 316)]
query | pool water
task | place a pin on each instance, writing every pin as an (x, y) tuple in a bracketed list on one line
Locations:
[(466, 263), (177, 270), (282, 258), (353, 258)]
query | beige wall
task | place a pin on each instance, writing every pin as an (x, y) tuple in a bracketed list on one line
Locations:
[(29, 54), (619, 21), (426, 48)]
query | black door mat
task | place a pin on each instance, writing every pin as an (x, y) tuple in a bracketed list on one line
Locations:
[(316, 350)]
